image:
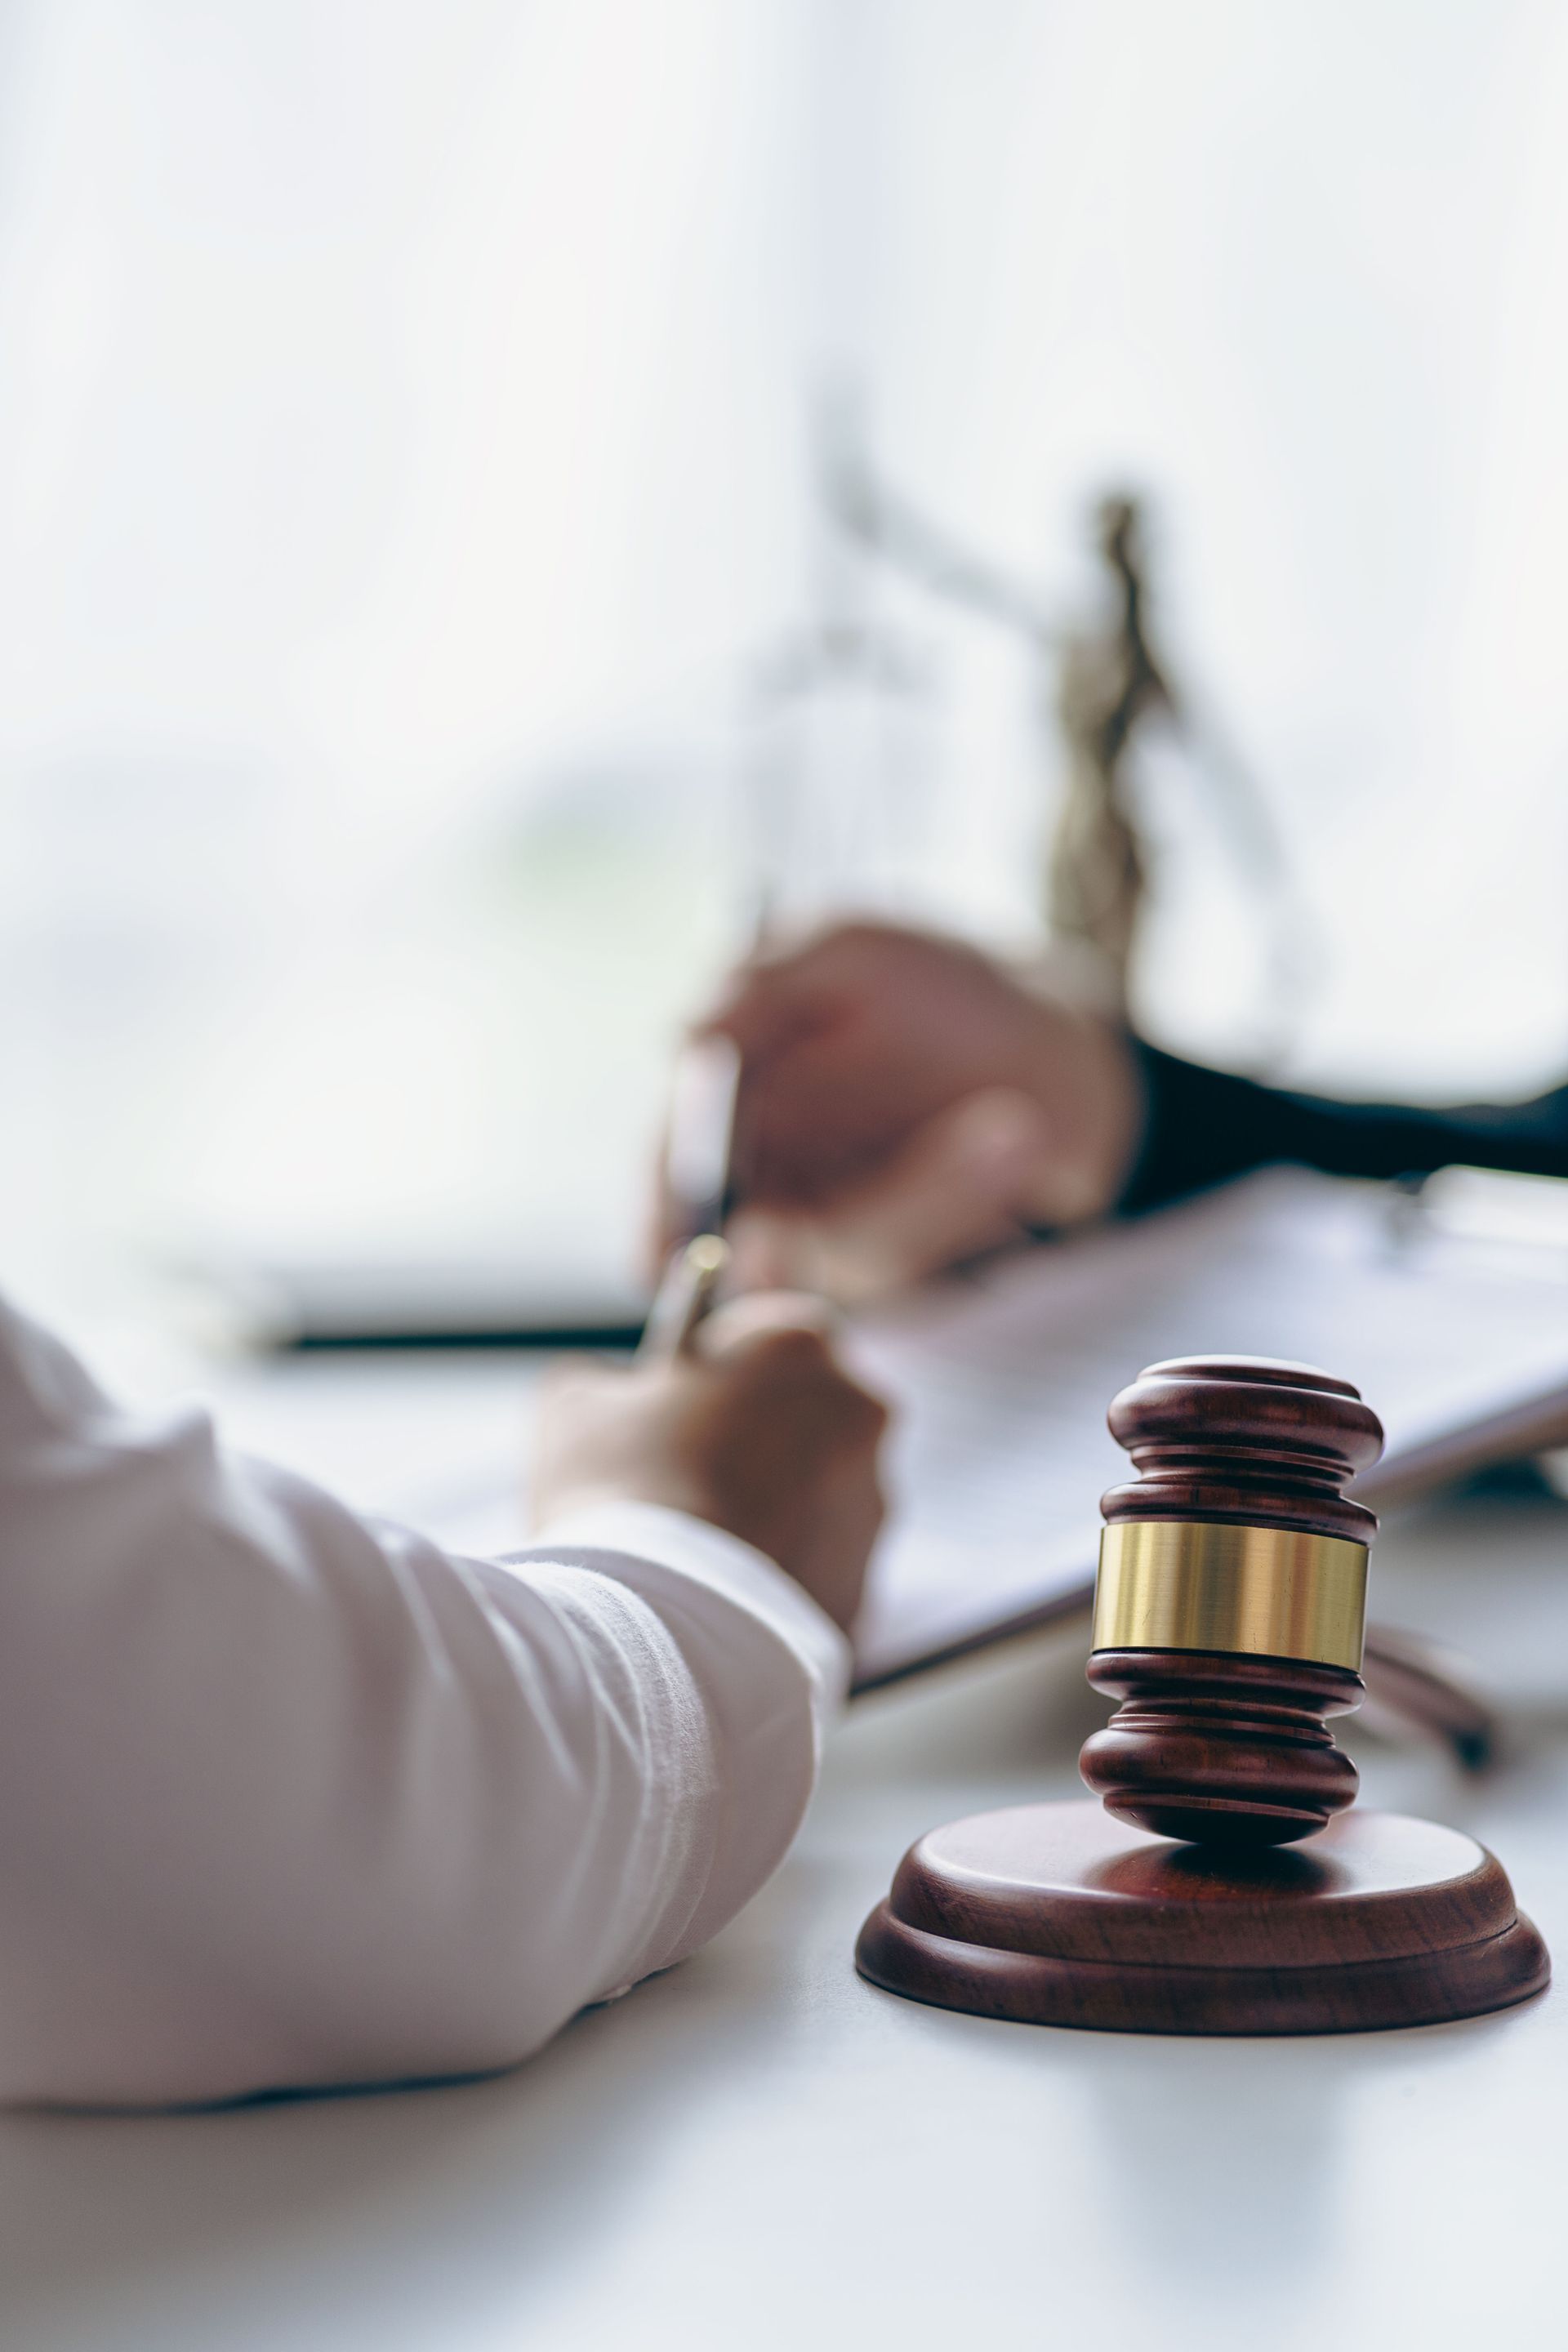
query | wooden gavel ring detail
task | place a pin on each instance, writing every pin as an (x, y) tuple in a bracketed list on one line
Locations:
[(1220, 1750), (1232, 1599), (1228, 1619)]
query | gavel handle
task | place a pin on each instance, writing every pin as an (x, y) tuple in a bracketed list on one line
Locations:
[(1427, 1686)]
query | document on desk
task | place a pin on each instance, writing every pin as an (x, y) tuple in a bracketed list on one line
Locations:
[(1001, 1452)]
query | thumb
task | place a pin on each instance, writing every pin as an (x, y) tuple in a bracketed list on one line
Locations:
[(763, 1313), (965, 1181)]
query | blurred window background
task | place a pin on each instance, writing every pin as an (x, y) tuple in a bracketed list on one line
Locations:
[(447, 580)]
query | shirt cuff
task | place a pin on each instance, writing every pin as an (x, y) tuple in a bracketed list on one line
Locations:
[(724, 1562)]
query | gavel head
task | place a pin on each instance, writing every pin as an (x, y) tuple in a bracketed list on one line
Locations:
[(1231, 1601)]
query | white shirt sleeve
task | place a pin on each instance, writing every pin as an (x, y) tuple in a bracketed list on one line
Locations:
[(290, 1798)]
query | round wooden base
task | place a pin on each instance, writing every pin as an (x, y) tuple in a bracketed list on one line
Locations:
[(1058, 1915)]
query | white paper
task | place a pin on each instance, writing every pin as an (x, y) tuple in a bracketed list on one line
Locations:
[(1001, 1451)]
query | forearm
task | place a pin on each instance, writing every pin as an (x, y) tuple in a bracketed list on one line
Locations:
[(288, 1798), (1201, 1126), (769, 1668)]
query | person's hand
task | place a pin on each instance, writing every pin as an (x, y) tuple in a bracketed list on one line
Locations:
[(906, 1102), (756, 1429)]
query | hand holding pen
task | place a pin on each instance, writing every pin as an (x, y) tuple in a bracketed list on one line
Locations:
[(739, 1414)]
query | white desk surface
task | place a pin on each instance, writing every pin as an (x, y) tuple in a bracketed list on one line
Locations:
[(758, 2150)]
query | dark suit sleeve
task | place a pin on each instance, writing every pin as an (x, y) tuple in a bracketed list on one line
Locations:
[(1201, 1126)]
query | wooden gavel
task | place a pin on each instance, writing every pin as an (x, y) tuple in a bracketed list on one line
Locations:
[(1231, 1605), (1229, 1619)]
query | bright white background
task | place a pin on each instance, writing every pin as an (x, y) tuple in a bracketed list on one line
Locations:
[(404, 462)]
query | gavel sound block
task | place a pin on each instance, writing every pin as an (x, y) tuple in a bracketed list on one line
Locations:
[(1226, 1884)]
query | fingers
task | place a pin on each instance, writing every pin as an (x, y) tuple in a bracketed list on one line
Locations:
[(758, 1430), (783, 1341), (765, 1312), (904, 1103), (767, 1006), (784, 992), (967, 1180), (788, 1333)]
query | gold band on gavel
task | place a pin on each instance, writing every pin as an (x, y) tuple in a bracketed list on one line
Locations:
[(1271, 1592)]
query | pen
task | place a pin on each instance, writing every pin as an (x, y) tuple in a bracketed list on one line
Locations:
[(684, 1296), (696, 1184)]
